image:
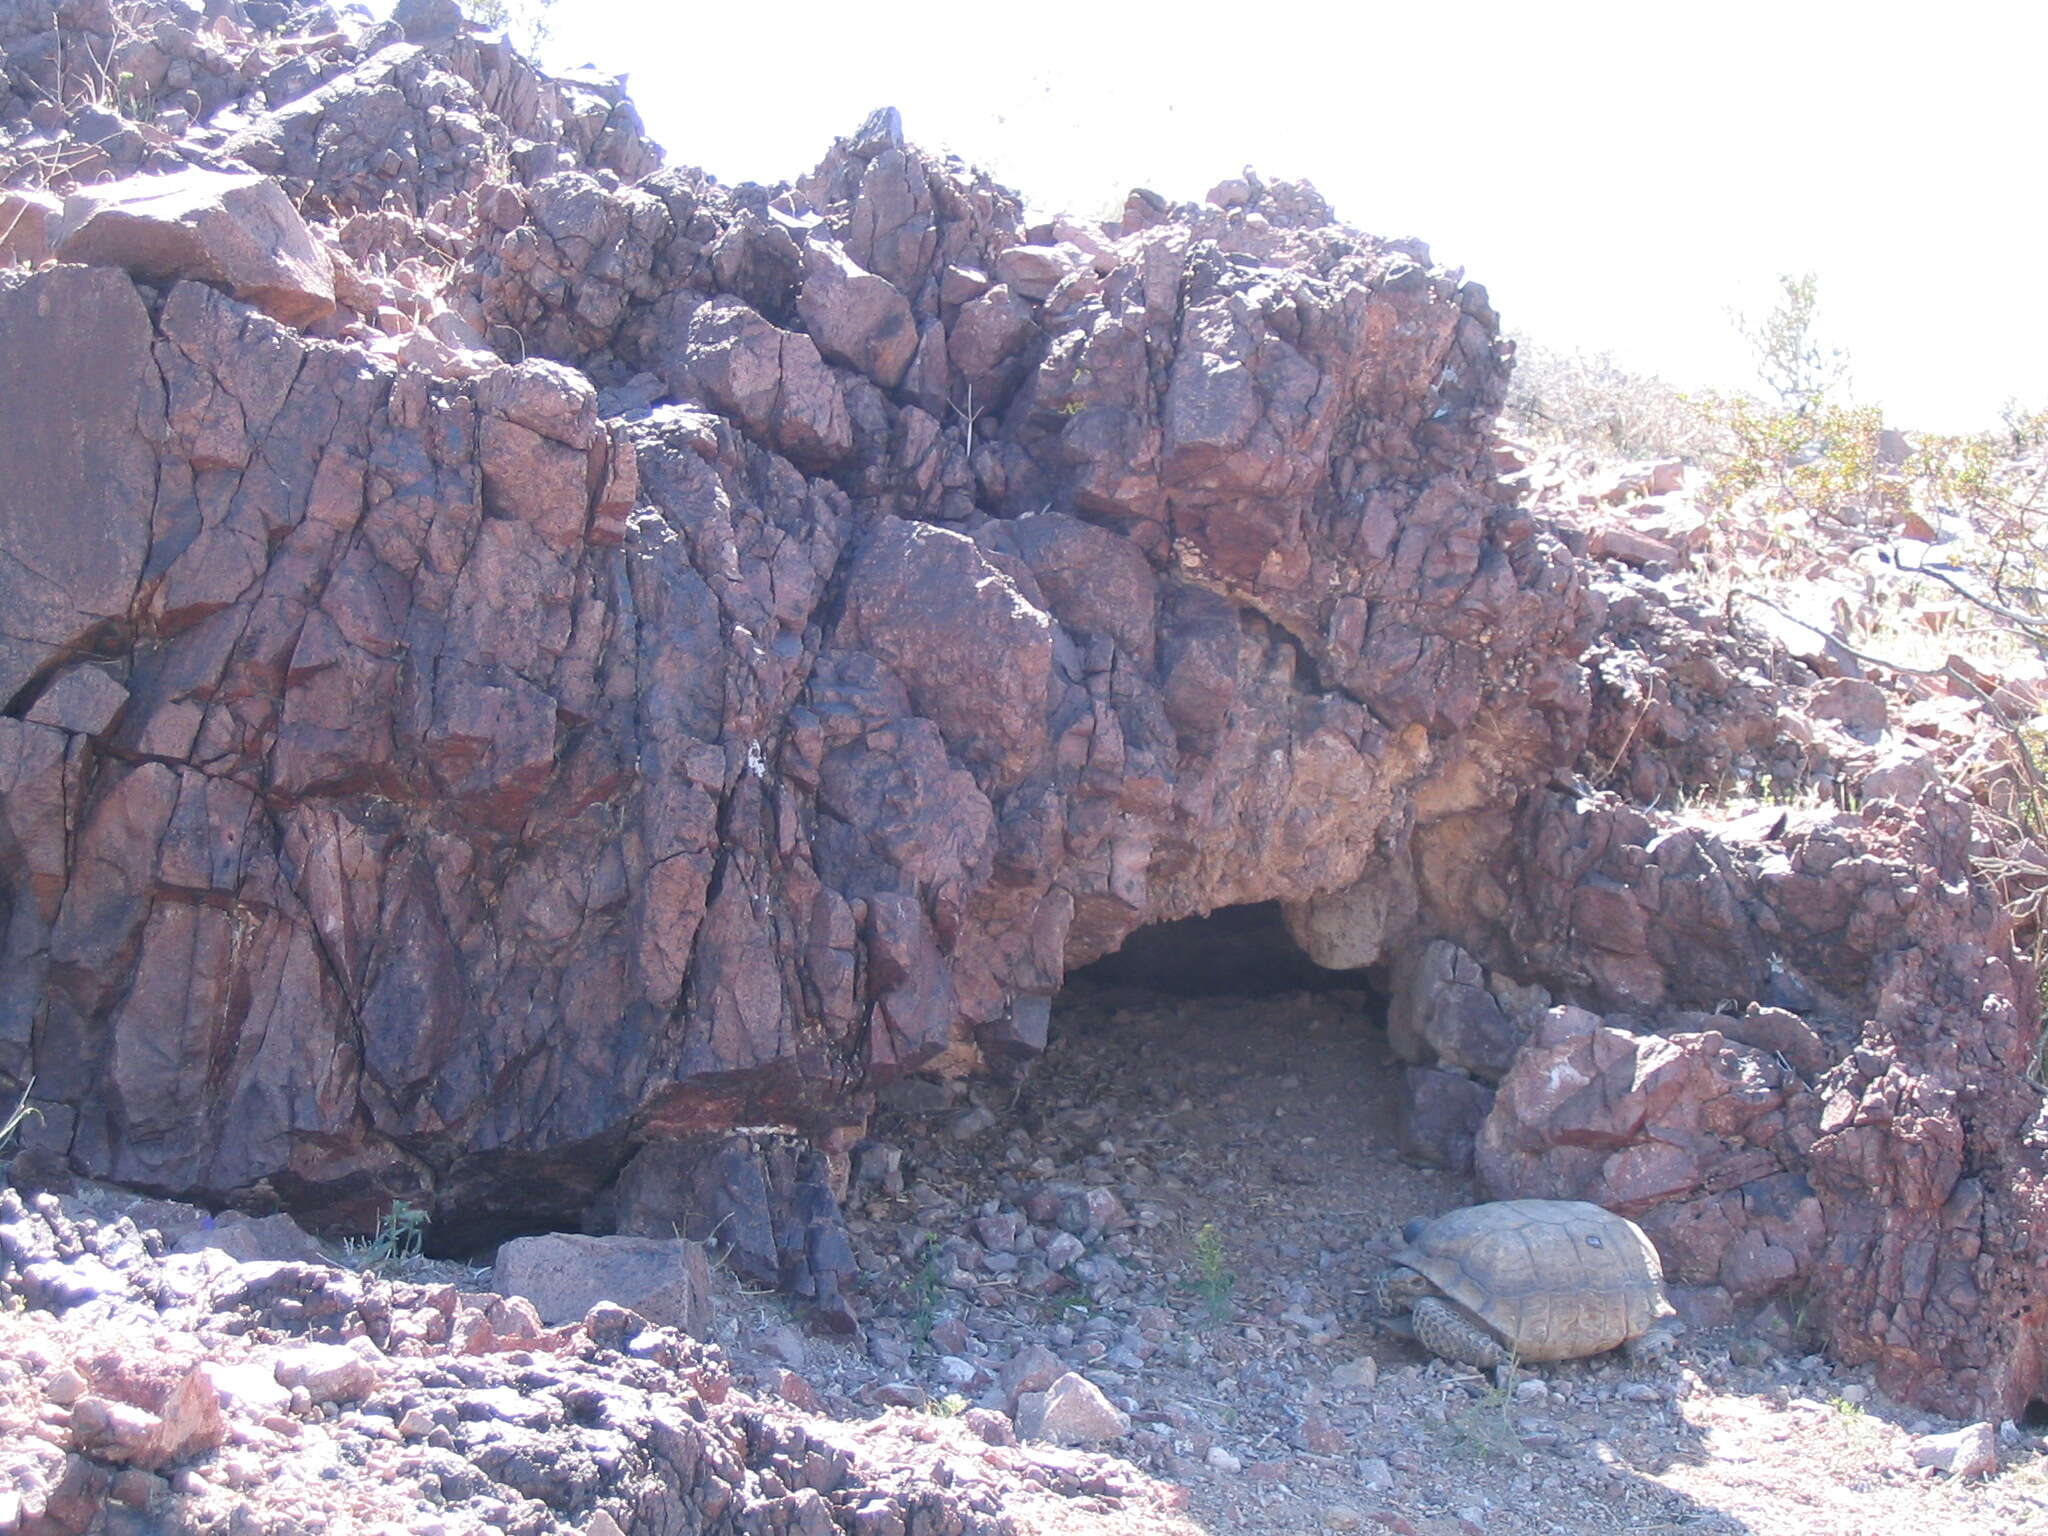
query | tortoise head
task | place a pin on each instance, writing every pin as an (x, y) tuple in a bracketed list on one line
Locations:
[(1398, 1288)]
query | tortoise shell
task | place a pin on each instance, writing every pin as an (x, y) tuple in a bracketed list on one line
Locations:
[(1556, 1279)]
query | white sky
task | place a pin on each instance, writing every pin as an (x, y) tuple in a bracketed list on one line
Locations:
[(1618, 175)]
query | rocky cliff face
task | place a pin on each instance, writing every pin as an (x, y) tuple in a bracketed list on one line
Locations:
[(515, 657)]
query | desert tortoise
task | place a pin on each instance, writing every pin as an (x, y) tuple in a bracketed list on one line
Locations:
[(1530, 1280)]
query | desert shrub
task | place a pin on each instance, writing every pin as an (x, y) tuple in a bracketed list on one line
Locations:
[(1588, 401), (1823, 460), (1791, 361)]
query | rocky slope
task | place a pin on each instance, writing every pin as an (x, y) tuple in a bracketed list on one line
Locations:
[(522, 665), (149, 1391)]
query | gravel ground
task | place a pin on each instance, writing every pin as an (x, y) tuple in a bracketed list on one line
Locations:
[(1182, 1202), (1153, 1247)]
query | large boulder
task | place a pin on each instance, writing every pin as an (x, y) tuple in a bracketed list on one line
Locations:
[(772, 381), (856, 317), (238, 232), (665, 1280)]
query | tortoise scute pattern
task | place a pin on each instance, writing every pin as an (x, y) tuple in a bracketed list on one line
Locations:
[(1554, 1279)]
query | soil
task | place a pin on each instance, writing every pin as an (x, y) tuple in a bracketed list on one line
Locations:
[(1250, 1146)]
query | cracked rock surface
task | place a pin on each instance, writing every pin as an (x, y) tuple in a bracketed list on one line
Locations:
[(660, 662)]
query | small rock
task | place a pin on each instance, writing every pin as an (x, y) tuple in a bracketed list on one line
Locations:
[(190, 1424), (1359, 1375), (1032, 1369), (1093, 1209), (1072, 1411), (990, 1427), (1322, 1437), (1630, 547), (787, 1345), (330, 1373), (1063, 1249), (1531, 1391), (1342, 1517), (1375, 1474), (26, 219), (797, 1392), (84, 699), (134, 1488), (970, 1123), (1970, 1452), (998, 1233), (879, 1166), (1035, 270), (251, 1388), (855, 317), (111, 1431), (66, 1387), (1222, 1461), (252, 1240)]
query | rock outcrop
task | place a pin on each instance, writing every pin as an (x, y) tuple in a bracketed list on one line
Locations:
[(659, 660)]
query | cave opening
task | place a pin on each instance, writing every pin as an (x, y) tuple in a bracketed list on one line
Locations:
[(1235, 951), (1227, 1009)]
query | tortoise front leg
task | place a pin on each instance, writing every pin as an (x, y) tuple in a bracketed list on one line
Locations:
[(1446, 1331)]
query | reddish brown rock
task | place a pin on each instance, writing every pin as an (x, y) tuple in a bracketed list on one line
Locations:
[(855, 317), (77, 379), (771, 381), (461, 785), (239, 232), (27, 218)]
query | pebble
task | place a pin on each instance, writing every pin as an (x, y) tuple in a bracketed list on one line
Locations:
[(1222, 1461)]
